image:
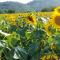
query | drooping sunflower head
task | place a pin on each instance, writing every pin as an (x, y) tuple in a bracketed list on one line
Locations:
[(55, 21), (50, 57), (32, 19)]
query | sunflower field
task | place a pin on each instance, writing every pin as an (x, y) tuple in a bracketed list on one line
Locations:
[(30, 36)]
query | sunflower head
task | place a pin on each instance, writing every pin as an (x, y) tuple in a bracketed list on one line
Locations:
[(55, 21), (32, 19), (55, 18), (50, 57)]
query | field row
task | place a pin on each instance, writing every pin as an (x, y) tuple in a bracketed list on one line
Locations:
[(26, 14)]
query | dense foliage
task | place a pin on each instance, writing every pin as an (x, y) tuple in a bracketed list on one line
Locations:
[(26, 41)]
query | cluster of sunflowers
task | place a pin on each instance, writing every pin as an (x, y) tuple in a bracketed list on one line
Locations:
[(30, 18), (53, 22), (12, 18)]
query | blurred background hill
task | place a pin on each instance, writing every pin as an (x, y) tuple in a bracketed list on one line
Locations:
[(36, 5)]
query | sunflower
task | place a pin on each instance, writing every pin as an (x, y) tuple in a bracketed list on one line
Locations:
[(55, 21), (50, 57), (32, 19)]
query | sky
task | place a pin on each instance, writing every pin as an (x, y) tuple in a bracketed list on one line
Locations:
[(21, 1)]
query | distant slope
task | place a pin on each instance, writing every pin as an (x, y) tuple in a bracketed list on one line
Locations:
[(36, 5)]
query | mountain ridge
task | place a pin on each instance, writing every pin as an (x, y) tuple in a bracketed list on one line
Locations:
[(32, 6)]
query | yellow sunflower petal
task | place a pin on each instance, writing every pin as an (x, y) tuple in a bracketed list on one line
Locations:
[(50, 57), (57, 10)]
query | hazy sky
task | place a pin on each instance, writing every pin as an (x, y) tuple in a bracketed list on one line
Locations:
[(21, 1)]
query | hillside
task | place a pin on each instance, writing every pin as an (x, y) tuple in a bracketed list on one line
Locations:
[(32, 6)]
